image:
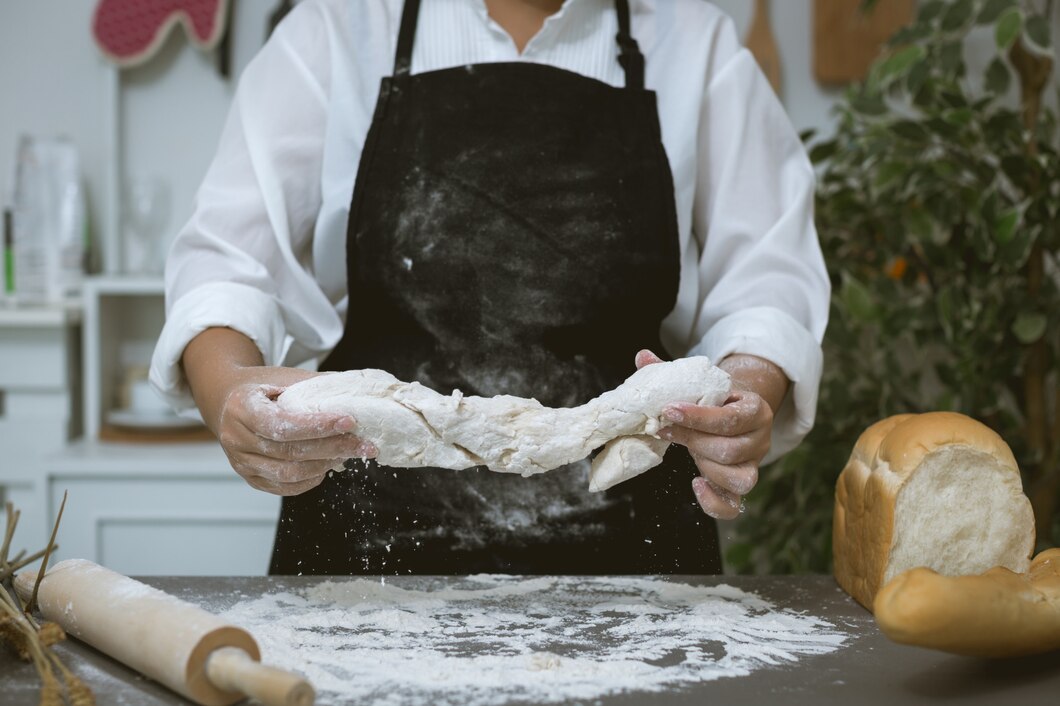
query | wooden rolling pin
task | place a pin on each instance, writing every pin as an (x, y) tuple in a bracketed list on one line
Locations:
[(191, 651)]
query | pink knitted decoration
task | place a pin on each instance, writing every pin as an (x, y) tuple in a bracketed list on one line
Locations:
[(129, 32)]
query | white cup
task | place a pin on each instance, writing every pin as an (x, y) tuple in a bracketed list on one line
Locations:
[(143, 398)]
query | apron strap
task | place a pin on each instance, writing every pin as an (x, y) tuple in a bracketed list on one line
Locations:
[(629, 56), (410, 14)]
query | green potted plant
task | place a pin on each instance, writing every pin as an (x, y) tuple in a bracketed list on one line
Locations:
[(938, 209)]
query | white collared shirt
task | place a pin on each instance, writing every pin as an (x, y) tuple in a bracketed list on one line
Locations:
[(264, 250)]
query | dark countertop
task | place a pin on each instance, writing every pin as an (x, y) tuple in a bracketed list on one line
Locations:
[(867, 669)]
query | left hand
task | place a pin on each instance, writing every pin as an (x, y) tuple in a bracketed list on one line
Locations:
[(727, 443)]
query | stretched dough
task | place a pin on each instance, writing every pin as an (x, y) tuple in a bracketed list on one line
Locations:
[(414, 426)]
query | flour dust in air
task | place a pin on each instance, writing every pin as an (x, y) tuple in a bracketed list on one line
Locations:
[(490, 640)]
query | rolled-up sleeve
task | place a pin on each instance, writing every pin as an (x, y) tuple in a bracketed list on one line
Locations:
[(243, 260), (761, 275)]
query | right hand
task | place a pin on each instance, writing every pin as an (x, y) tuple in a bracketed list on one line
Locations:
[(277, 451)]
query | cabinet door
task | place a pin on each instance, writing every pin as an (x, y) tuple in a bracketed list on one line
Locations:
[(38, 414), (26, 495), (176, 526)]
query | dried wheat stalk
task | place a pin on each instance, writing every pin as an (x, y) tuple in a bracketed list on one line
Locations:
[(30, 640)]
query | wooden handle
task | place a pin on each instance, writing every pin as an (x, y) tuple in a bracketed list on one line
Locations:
[(763, 45), (846, 39), (232, 669)]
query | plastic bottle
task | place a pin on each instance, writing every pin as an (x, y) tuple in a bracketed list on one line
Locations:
[(49, 221)]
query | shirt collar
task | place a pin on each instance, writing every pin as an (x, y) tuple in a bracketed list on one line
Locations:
[(546, 29)]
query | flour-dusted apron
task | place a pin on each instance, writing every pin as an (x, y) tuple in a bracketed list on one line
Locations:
[(512, 231)]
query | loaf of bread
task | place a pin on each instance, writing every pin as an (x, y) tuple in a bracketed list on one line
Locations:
[(995, 614), (938, 490)]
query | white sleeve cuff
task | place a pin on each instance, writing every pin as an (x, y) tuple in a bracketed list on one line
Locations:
[(242, 308), (774, 335)]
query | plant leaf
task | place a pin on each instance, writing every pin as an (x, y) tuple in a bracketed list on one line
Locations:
[(823, 151), (910, 130), (1009, 26), (900, 62), (957, 15), (951, 59), (992, 10), (1029, 326), (958, 117), (917, 76), (1037, 29), (857, 299), (888, 173), (868, 104), (998, 77), (930, 10), (920, 224), (946, 308), (1006, 225)]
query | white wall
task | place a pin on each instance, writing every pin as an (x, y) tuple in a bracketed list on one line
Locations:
[(54, 81), (50, 82)]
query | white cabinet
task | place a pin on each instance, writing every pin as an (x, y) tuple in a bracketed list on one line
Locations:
[(160, 509), (139, 506), (40, 407)]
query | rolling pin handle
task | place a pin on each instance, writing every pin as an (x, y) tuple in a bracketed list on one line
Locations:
[(232, 669)]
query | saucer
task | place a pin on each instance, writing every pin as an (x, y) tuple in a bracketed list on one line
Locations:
[(140, 419)]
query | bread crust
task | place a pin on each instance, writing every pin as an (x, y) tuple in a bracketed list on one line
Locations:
[(995, 614), (914, 437), (885, 457)]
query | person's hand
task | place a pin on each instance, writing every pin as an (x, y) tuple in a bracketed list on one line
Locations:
[(278, 451), (275, 451), (728, 442)]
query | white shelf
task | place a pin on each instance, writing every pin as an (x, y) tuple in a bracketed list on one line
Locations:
[(127, 285), (86, 457), (122, 320), (40, 315)]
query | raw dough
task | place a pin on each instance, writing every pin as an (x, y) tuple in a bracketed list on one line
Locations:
[(414, 426)]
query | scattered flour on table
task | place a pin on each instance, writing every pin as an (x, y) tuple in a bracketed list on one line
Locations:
[(493, 639)]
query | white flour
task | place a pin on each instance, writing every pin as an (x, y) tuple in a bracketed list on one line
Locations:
[(498, 639)]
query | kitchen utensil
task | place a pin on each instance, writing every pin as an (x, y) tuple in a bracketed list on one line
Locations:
[(191, 651), (145, 211), (763, 45), (846, 39)]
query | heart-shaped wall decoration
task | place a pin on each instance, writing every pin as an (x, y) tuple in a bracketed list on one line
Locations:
[(129, 32)]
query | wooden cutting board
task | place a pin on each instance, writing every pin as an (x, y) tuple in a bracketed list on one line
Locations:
[(846, 40), (763, 45)]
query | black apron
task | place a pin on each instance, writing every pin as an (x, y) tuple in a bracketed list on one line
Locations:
[(512, 231)]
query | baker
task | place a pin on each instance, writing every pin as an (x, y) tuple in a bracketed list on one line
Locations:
[(542, 193)]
